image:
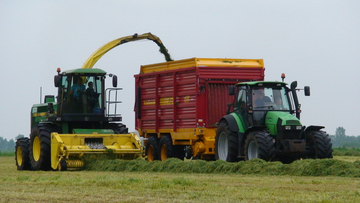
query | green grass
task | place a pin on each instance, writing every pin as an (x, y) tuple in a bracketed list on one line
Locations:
[(152, 186)]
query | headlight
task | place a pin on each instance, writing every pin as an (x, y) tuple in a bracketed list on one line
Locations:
[(298, 127), (287, 127)]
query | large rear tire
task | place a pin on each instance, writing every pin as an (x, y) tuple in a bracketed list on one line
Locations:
[(152, 149), (226, 143), (259, 145), (22, 159), (40, 146), (319, 144)]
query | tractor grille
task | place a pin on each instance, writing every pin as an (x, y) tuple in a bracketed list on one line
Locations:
[(293, 122), (291, 134)]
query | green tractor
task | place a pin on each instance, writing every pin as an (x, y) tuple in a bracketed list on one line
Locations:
[(265, 123), (83, 121)]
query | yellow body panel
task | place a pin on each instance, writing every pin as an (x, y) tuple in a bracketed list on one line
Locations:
[(201, 62), (74, 146)]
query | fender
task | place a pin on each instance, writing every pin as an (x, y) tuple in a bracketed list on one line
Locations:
[(232, 123), (90, 62)]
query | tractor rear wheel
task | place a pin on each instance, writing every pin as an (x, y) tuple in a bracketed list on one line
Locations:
[(226, 143), (259, 145), (152, 149), (22, 154), (319, 144), (40, 146), (166, 148)]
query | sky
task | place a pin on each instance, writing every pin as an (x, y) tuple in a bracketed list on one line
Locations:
[(315, 42)]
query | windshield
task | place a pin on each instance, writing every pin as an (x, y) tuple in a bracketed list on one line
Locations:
[(270, 98), (81, 94)]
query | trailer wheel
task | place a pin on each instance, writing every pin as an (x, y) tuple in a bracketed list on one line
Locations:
[(226, 143), (152, 149), (319, 144), (166, 148), (40, 147), (259, 145), (22, 154)]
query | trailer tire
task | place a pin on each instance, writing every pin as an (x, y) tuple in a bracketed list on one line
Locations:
[(22, 159), (167, 150), (226, 143), (319, 144), (152, 149), (40, 146), (259, 145)]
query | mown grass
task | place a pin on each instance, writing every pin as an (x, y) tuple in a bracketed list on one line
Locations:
[(156, 185)]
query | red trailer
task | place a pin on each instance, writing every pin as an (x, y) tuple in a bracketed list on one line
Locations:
[(179, 103)]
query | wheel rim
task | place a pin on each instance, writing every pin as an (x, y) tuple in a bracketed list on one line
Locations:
[(163, 152), (252, 150), (150, 154), (36, 148), (223, 146), (19, 156)]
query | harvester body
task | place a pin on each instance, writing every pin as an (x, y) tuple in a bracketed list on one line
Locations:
[(82, 121)]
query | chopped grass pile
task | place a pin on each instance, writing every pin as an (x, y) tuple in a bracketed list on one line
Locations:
[(308, 167)]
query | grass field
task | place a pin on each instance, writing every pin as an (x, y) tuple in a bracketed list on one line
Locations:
[(104, 186)]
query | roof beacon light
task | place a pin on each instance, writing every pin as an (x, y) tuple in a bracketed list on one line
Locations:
[(58, 70), (283, 76)]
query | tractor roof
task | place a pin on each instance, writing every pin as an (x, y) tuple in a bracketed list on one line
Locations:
[(262, 83), (85, 71)]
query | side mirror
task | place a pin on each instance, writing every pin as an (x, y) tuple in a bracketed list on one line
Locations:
[(293, 85), (307, 90), (57, 80), (114, 81), (231, 90)]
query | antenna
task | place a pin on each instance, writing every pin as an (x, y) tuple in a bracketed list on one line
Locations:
[(40, 94)]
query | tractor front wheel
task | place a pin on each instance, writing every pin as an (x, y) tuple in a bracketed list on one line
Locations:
[(22, 154), (259, 145), (319, 144)]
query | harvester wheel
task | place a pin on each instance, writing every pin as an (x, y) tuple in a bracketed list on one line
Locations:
[(320, 145), (22, 154), (166, 148), (62, 165), (118, 128), (40, 146), (259, 145), (152, 149), (226, 143)]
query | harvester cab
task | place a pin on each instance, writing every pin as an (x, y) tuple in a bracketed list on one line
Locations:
[(78, 124), (265, 123)]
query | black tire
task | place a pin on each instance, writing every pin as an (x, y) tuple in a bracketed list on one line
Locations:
[(259, 145), (62, 165), (166, 148), (319, 144), (118, 128), (22, 159), (152, 149), (226, 143), (40, 146)]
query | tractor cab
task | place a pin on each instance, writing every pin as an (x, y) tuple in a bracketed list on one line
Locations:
[(82, 95), (254, 100)]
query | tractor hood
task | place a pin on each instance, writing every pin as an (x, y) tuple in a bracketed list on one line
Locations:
[(275, 119)]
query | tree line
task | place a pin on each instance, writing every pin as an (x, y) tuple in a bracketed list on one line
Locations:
[(340, 139)]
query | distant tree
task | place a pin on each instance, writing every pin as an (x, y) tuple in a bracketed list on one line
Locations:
[(340, 136), (19, 136)]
